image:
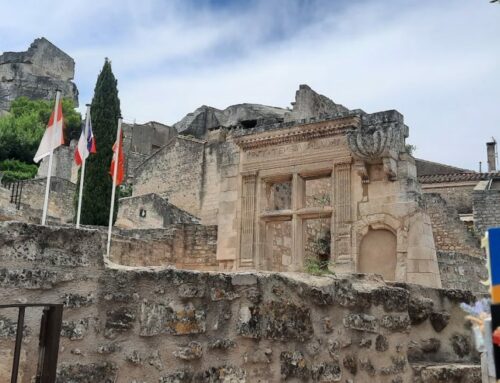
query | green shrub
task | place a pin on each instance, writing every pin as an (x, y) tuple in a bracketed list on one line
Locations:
[(14, 170), (315, 266)]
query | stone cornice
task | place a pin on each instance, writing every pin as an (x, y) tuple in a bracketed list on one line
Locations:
[(298, 133)]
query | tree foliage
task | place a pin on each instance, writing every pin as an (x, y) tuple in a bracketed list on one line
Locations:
[(22, 128), (13, 170), (105, 111)]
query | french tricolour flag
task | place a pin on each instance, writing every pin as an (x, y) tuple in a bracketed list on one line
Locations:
[(86, 143)]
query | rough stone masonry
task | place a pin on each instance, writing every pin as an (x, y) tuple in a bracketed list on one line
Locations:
[(124, 324)]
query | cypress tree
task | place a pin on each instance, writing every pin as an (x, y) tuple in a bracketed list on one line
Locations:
[(105, 111)]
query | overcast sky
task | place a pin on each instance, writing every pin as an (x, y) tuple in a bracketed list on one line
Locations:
[(436, 61)]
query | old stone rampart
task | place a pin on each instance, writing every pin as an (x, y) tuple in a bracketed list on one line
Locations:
[(150, 211), (165, 325), (186, 246)]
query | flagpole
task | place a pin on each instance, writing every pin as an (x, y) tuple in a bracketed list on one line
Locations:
[(115, 173), (49, 172), (82, 171)]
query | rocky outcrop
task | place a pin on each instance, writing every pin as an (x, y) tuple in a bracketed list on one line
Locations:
[(309, 104), (36, 73), (205, 118)]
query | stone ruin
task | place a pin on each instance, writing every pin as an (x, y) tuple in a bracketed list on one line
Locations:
[(205, 281)]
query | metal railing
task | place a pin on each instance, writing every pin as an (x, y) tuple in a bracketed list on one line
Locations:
[(48, 344), (16, 190)]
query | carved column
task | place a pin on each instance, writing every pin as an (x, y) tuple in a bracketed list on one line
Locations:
[(343, 217), (247, 220), (298, 198)]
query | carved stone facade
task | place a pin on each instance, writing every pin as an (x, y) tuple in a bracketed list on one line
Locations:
[(373, 196)]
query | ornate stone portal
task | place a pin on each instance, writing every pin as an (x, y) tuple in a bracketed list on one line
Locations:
[(367, 210)]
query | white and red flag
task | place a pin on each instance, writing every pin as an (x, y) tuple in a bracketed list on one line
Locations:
[(54, 134), (86, 143), (118, 160), (117, 172)]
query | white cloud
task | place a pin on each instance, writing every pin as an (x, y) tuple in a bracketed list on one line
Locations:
[(436, 62)]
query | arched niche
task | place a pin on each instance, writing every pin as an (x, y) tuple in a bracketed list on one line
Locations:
[(378, 253)]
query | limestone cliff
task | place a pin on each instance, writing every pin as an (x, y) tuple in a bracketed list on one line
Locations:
[(307, 104), (36, 73), (205, 118)]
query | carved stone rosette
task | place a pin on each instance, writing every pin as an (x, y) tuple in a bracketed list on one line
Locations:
[(377, 144)]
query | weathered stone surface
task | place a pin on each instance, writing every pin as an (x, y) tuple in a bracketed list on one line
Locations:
[(258, 356), (439, 320), (221, 344), (77, 300), (154, 359), (424, 350), (381, 343), (87, 373), (447, 373), (419, 309), (8, 328), (192, 351), (430, 345), (396, 322), (293, 364), (118, 321), (326, 373), (36, 73), (75, 330), (362, 322), (350, 362), (135, 357), (108, 348), (398, 366), (460, 345), (156, 318), (275, 320), (367, 366)]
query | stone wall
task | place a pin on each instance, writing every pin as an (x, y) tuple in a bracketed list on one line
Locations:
[(144, 325), (450, 233), (486, 208), (61, 197), (462, 271), (458, 196), (150, 211), (178, 165), (185, 246), (63, 163)]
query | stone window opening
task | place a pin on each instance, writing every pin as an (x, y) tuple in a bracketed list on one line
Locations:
[(304, 201), (142, 213)]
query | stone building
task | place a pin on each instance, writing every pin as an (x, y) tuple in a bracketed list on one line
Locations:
[(36, 74), (276, 186)]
